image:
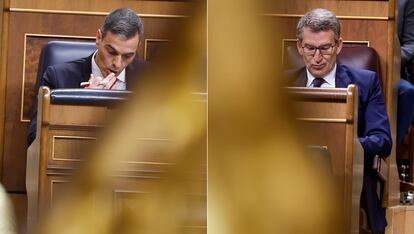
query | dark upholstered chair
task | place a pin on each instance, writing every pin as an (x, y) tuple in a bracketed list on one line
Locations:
[(357, 57), (55, 52)]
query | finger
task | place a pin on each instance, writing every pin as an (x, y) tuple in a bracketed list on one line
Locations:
[(88, 84), (110, 83), (94, 79), (85, 85), (110, 76), (96, 82), (109, 80)]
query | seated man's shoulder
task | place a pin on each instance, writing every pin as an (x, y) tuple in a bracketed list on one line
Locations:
[(367, 81), (359, 71), (359, 75), (293, 77), (72, 64), (67, 74)]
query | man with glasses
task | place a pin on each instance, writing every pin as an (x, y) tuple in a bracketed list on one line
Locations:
[(319, 42)]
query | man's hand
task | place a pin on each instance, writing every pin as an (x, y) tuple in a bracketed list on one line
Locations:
[(99, 82)]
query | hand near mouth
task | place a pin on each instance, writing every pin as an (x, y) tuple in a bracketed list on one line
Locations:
[(99, 82)]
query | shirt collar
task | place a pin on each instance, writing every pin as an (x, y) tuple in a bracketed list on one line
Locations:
[(97, 72), (329, 79)]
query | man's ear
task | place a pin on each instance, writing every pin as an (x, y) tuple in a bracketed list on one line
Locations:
[(339, 46), (299, 46), (98, 36)]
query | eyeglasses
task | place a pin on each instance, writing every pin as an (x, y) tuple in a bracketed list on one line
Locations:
[(323, 49)]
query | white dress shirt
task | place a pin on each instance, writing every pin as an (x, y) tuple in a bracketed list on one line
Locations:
[(329, 79)]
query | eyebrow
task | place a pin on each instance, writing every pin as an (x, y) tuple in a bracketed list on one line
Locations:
[(330, 44), (116, 51)]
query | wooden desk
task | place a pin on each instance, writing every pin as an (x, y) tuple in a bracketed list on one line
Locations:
[(330, 116), (65, 135)]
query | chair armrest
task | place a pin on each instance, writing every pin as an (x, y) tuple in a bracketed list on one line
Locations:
[(380, 166), (406, 186), (96, 97)]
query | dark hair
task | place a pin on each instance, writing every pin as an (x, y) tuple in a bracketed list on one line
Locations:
[(123, 22), (319, 20)]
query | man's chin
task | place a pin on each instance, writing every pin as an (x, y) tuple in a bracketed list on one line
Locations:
[(317, 73), (116, 73)]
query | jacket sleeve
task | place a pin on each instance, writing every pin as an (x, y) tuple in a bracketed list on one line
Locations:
[(375, 135), (48, 79), (407, 34)]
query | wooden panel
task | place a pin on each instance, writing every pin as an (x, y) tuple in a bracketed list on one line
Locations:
[(370, 9), (90, 115), (129, 200), (70, 148), (19, 201), (57, 188), (141, 7), (152, 48), (194, 211), (334, 111), (321, 135)]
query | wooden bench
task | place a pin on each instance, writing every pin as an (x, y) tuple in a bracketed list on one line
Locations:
[(68, 127), (329, 120)]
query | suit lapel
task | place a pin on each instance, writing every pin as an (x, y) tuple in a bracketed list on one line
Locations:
[(302, 79), (127, 76), (341, 78), (86, 69), (401, 15)]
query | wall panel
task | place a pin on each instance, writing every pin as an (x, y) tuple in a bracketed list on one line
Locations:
[(343, 9), (141, 7)]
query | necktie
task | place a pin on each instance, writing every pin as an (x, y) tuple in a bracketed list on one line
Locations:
[(112, 86), (317, 82)]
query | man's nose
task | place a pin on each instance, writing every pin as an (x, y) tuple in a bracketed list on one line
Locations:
[(317, 56), (117, 61)]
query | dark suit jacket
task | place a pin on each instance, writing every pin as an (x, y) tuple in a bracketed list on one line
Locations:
[(71, 74), (405, 29), (373, 131)]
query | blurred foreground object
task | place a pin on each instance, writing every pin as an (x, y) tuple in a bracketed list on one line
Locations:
[(260, 178), (7, 219)]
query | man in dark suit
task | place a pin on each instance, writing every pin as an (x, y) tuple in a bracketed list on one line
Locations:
[(114, 65), (405, 29), (319, 42)]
